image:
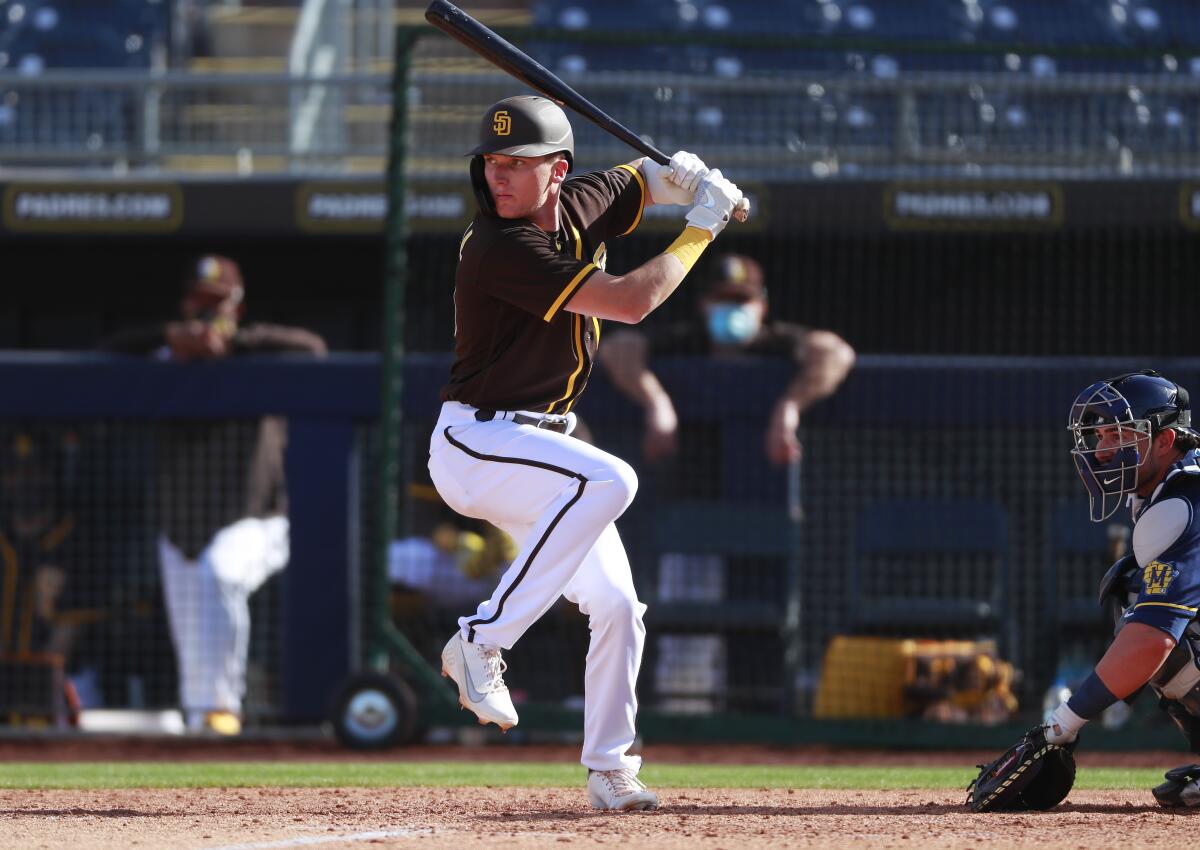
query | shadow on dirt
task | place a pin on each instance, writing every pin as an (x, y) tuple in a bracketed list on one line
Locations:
[(848, 809), (78, 812)]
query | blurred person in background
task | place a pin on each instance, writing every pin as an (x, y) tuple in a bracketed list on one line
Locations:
[(447, 559), (220, 496), (44, 589), (36, 545), (731, 322)]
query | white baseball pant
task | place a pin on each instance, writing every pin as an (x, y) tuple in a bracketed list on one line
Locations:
[(557, 497), (209, 612)]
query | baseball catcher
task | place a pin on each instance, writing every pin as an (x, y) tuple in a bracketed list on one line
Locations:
[(1133, 444)]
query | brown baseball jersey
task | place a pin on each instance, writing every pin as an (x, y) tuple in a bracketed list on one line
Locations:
[(516, 348)]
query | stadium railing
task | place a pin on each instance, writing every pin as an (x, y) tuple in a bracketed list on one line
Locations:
[(752, 105)]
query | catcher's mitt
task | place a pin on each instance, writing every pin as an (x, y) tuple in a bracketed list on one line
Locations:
[(1033, 774)]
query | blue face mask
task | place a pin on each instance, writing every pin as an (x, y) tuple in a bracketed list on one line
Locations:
[(732, 324)]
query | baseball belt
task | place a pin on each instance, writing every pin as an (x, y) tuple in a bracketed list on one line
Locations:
[(558, 424)]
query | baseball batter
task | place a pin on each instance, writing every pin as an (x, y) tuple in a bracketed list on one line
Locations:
[(530, 293), (1135, 444)]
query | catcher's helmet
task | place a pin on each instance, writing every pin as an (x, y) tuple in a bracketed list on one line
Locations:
[(524, 125), (1134, 403)]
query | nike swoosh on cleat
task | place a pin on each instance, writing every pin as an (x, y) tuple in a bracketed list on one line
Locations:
[(472, 693)]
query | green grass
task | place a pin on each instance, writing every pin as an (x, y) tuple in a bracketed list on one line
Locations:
[(29, 776)]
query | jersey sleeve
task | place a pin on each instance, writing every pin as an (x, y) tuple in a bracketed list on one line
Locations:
[(1168, 549), (518, 266), (613, 199)]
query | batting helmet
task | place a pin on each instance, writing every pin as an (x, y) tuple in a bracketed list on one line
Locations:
[(524, 125), (1134, 403)]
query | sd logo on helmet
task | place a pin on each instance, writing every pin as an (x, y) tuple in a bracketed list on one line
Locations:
[(524, 125)]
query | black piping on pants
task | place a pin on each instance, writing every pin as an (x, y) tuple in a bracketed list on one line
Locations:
[(545, 536)]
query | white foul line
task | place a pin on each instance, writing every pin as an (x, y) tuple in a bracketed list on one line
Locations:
[(325, 839)]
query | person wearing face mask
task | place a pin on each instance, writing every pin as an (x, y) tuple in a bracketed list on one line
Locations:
[(220, 495), (731, 322)]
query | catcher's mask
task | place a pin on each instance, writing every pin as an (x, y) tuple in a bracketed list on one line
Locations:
[(524, 125), (1106, 421)]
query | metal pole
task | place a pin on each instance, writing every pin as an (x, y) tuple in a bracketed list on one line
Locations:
[(392, 361), (151, 121), (384, 29), (793, 636)]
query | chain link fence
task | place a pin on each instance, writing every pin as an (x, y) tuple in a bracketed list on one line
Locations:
[(935, 499)]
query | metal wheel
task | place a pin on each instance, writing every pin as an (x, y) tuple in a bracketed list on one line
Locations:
[(374, 711)]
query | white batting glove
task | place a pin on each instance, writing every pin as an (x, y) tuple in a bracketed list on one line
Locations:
[(687, 170), (715, 201), (674, 183), (1063, 725)]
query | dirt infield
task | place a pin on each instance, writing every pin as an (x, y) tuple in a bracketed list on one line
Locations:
[(436, 818), (450, 819)]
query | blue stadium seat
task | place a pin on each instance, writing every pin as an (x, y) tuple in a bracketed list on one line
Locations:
[(1032, 128), (923, 20), (83, 33), (726, 529), (923, 566), (1165, 23), (1077, 554)]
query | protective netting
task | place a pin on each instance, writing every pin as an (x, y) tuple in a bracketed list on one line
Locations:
[(132, 553), (962, 224)]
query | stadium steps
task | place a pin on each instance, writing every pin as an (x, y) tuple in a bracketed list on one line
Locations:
[(226, 164), (252, 32), (257, 38), (238, 65)]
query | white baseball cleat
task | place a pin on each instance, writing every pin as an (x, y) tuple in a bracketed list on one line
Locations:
[(478, 670), (619, 789)]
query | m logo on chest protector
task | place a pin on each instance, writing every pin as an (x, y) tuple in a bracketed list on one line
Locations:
[(1157, 577)]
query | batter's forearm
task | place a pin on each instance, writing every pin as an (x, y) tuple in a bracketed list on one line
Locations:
[(659, 277), (654, 282), (632, 297)]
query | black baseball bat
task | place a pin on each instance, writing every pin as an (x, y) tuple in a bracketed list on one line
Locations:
[(462, 27)]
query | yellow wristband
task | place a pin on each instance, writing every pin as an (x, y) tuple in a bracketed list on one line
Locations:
[(689, 245)]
